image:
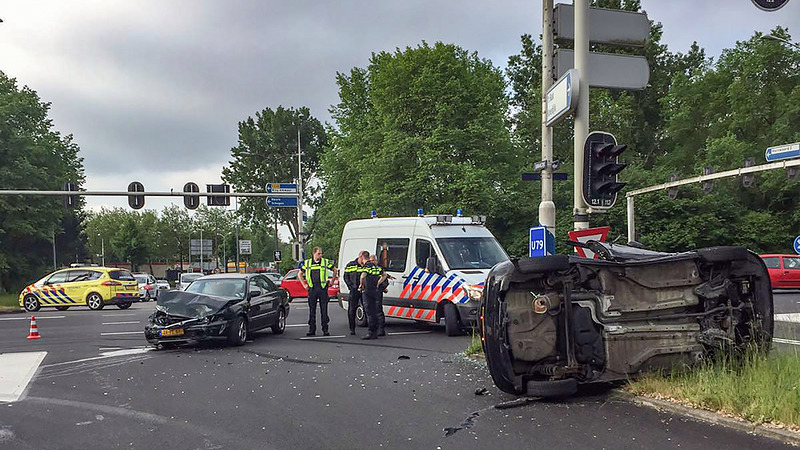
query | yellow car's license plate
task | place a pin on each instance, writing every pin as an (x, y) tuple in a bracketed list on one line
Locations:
[(174, 332)]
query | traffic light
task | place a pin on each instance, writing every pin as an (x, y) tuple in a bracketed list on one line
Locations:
[(708, 185), (218, 200), (70, 201), (191, 201), (136, 201), (749, 179), (600, 170)]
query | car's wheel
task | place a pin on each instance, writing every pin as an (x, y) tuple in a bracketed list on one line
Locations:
[(553, 263), (62, 308), (124, 305), (280, 325), (556, 388), (452, 324), (237, 333), (723, 254), (361, 315), (94, 301), (31, 303)]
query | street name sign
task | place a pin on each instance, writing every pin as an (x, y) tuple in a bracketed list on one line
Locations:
[(785, 151), (282, 202), (608, 70), (562, 98), (245, 246), (591, 234), (606, 26), (797, 245), (541, 242), (282, 188)]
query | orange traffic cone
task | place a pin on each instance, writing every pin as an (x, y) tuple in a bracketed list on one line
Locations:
[(34, 333)]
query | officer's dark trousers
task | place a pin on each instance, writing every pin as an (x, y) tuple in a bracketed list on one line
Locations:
[(381, 316), (352, 305), (371, 305), (317, 294)]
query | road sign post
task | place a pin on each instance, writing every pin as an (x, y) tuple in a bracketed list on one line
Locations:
[(797, 245), (562, 98), (785, 151), (245, 247), (282, 202), (590, 234), (541, 242), (282, 188)]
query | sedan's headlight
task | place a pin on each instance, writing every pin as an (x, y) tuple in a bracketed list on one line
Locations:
[(475, 292), (161, 308)]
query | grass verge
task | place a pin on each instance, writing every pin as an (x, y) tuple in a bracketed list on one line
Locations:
[(755, 387), (8, 301), (475, 347)]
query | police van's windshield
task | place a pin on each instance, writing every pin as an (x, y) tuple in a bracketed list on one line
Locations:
[(471, 253)]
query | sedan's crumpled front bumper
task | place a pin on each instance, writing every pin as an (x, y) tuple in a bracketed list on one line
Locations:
[(193, 330)]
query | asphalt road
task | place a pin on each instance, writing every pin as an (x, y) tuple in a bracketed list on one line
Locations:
[(786, 301), (101, 387)]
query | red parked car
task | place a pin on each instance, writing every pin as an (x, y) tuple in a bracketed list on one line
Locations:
[(784, 270), (296, 290)]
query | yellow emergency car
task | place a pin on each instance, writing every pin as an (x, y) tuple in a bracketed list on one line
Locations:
[(94, 287)]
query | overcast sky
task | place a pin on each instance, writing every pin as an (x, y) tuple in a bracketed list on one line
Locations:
[(153, 90)]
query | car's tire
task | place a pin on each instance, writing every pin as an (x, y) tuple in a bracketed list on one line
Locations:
[(124, 305), (361, 315), (553, 263), (722, 254), (555, 388), (62, 308), (94, 301), (31, 303), (237, 333), (452, 323), (280, 324)]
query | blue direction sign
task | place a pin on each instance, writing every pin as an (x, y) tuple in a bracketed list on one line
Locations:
[(541, 242), (282, 202), (785, 151), (282, 188), (797, 245)]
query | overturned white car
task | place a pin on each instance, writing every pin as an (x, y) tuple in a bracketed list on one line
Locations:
[(549, 324)]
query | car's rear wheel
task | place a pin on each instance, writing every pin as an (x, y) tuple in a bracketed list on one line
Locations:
[(555, 388), (361, 315), (124, 305), (62, 308), (237, 333), (94, 301), (31, 303), (452, 324), (280, 325)]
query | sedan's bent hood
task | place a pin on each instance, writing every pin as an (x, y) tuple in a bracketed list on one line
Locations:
[(190, 304)]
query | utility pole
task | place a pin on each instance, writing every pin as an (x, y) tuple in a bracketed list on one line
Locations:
[(547, 209), (55, 265), (299, 192), (580, 210), (103, 250), (201, 250), (237, 235)]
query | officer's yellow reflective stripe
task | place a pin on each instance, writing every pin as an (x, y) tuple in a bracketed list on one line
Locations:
[(353, 268), (309, 265)]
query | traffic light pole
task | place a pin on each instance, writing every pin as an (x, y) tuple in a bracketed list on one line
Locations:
[(547, 209), (580, 210)]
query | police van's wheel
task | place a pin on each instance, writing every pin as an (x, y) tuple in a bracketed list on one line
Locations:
[(280, 325), (124, 305), (237, 333), (94, 301), (452, 324), (361, 315), (31, 303), (62, 308)]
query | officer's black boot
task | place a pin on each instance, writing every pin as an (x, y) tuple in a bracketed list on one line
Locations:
[(381, 332)]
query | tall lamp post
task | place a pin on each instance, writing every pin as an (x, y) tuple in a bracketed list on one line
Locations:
[(299, 192), (772, 37)]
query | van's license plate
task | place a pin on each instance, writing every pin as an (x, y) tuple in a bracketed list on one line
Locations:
[(173, 332)]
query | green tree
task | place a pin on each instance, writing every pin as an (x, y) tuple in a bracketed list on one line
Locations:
[(424, 128), (33, 156), (175, 227), (129, 241)]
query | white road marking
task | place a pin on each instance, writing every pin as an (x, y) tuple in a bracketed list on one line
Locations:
[(116, 333), (104, 355), (118, 315), (321, 337), (28, 318), (408, 332), (791, 317), (785, 341), (120, 323), (109, 348), (297, 325), (18, 371)]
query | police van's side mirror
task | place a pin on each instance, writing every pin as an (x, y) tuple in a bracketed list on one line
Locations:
[(432, 265)]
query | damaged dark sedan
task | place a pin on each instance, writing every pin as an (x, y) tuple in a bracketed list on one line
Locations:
[(225, 306), (549, 324)]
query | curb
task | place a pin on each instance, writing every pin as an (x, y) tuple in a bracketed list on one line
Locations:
[(12, 311), (789, 437)]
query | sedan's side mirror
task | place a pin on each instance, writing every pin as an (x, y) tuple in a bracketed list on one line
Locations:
[(255, 293)]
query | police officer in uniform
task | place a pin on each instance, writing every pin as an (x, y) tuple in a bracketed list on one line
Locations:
[(371, 277), (313, 276), (352, 278), (381, 290)]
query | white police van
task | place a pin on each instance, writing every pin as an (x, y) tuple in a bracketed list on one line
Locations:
[(463, 248)]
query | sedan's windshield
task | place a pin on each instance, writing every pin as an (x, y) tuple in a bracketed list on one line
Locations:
[(220, 287), (471, 253)]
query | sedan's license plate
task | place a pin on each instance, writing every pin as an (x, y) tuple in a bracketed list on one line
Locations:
[(175, 332)]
